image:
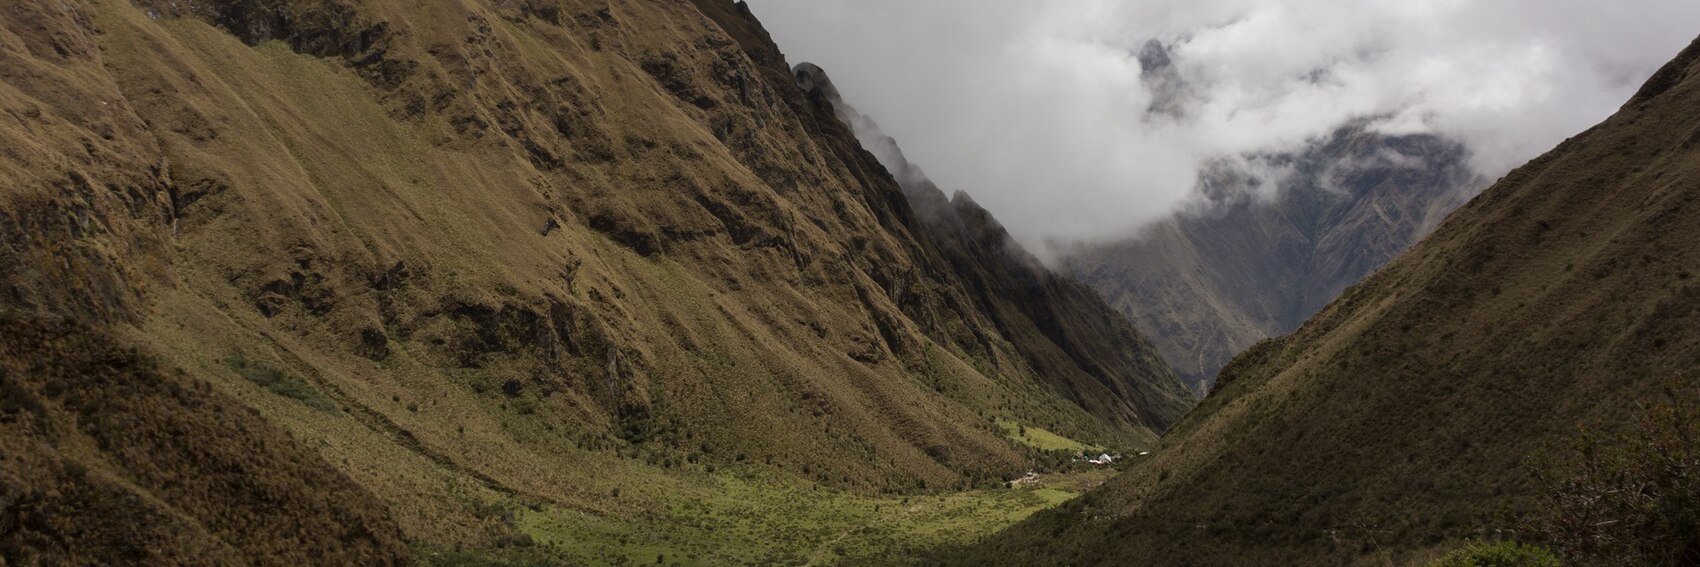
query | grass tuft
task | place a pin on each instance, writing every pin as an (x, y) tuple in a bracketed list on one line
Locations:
[(280, 383), (1501, 554)]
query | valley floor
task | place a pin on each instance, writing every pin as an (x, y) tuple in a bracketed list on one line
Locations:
[(749, 515)]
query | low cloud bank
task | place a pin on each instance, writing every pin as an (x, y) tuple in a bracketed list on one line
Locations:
[(1084, 119)]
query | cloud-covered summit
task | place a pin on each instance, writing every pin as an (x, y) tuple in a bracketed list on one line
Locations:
[(1083, 119)]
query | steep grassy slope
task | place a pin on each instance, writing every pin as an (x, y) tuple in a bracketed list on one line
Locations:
[(482, 270), (112, 459), (108, 455), (1241, 266), (1395, 423)]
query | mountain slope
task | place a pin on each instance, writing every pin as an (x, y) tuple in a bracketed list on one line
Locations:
[(1246, 263), (1395, 423), (1065, 330), (493, 274)]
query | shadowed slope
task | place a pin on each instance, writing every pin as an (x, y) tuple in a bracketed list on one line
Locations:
[(1395, 422), (112, 459)]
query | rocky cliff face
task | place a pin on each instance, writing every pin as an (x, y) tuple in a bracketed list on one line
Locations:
[(1272, 239), (428, 256), (1399, 421)]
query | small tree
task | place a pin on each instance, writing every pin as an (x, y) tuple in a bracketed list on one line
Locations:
[(1634, 500)]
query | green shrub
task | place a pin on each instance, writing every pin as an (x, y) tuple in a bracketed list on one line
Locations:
[(1633, 498), (280, 383), (15, 397), (1502, 554)]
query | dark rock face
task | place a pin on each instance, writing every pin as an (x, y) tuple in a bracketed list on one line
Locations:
[(323, 28), (1274, 239)]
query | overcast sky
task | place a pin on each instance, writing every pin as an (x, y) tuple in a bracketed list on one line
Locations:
[(1038, 108)]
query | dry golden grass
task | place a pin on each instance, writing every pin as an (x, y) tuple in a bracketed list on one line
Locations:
[(523, 253)]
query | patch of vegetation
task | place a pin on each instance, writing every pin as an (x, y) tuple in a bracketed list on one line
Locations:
[(15, 397), (1042, 439), (1501, 554), (464, 558), (743, 515), (280, 383), (1632, 498)]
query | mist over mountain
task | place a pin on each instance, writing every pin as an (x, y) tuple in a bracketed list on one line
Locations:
[(1451, 396), (619, 282), (1272, 239), (1220, 170), (1043, 111), (1015, 286), (1101, 350)]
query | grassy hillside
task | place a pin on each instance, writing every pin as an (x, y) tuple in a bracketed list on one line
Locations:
[(1397, 423), (573, 280)]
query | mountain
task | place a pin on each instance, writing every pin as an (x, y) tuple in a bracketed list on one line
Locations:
[(1064, 329), (1272, 239), (365, 281), (1398, 422)]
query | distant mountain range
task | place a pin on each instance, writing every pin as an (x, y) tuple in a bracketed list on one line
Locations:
[(1272, 238)]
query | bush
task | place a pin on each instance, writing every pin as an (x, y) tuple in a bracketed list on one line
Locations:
[(1633, 499), (1502, 554), (280, 383)]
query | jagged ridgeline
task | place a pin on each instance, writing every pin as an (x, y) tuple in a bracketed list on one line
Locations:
[(344, 280)]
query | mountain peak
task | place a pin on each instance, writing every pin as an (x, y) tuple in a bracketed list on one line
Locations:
[(1154, 58)]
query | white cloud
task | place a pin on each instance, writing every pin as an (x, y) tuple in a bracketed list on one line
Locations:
[(1038, 108)]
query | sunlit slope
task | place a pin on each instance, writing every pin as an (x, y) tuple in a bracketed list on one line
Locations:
[(482, 267)]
